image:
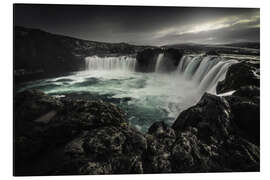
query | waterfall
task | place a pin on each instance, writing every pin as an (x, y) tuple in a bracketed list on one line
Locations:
[(159, 62), (205, 71), (121, 63), (192, 66)]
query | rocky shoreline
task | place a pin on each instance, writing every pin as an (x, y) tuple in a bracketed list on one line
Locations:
[(62, 136)]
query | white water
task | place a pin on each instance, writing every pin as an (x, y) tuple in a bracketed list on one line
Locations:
[(205, 71), (159, 62), (153, 96), (122, 63)]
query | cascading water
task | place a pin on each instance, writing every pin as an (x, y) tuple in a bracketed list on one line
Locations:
[(159, 62), (121, 63), (205, 71)]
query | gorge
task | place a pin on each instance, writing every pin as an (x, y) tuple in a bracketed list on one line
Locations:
[(131, 109)]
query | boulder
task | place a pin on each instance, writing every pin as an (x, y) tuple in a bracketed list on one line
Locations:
[(211, 116), (245, 106), (238, 75), (209, 141), (32, 104), (85, 115)]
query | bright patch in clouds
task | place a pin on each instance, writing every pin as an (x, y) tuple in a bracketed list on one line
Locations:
[(226, 22), (205, 27)]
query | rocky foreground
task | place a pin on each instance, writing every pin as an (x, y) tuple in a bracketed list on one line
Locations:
[(61, 136)]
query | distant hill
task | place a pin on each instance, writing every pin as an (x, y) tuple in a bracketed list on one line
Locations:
[(39, 51), (247, 48), (254, 45)]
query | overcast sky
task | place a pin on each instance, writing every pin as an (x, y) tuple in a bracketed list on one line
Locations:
[(144, 25)]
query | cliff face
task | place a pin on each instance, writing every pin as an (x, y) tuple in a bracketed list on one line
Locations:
[(36, 51), (147, 59)]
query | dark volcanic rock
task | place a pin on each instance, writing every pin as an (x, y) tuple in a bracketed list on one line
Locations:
[(157, 157), (38, 131), (207, 140), (93, 137), (104, 143), (105, 150), (249, 92), (160, 138), (211, 116), (189, 154), (172, 58), (85, 115), (247, 117), (212, 52), (245, 105), (32, 104), (147, 59), (238, 75)]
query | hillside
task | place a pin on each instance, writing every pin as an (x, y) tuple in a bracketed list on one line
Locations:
[(37, 51)]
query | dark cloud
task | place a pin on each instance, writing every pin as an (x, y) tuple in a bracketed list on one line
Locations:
[(143, 25)]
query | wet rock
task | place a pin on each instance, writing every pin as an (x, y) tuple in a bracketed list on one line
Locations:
[(104, 142), (238, 75), (211, 116), (160, 139)]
